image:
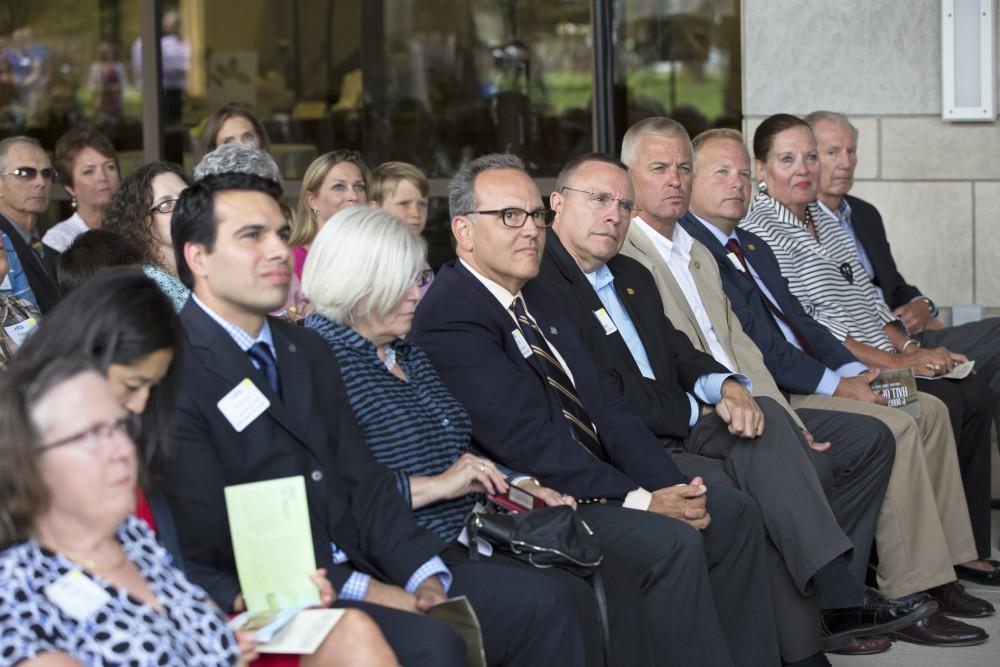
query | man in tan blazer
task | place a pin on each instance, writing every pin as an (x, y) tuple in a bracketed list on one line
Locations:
[(923, 528)]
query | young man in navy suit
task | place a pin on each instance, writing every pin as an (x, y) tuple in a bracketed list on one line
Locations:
[(262, 399)]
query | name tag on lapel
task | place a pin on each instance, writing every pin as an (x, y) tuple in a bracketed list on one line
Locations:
[(522, 344), (736, 261), (20, 331), (605, 321), (243, 404)]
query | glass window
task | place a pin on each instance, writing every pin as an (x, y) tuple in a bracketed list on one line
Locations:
[(65, 63), (679, 58), (432, 82)]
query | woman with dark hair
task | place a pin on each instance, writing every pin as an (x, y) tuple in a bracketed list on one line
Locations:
[(141, 211), (88, 170), (824, 272), (233, 123), (122, 324)]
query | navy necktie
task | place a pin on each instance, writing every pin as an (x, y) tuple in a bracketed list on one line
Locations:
[(261, 355)]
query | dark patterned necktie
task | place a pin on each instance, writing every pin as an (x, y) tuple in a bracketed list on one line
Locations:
[(733, 246), (581, 427), (261, 354)]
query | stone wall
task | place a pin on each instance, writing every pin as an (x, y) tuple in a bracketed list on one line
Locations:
[(937, 184)]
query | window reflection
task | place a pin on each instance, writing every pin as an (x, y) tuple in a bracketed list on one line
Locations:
[(677, 58)]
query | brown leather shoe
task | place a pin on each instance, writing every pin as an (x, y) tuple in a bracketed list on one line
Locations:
[(953, 600), (939, 630), (865, 646)]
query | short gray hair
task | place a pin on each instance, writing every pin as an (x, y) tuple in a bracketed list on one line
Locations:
[(462, 189), (658, 126), (238, 158), (10, 141), (361, 264), (817, 117)]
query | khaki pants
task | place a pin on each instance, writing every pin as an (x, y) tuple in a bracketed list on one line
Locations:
[(923, 527)]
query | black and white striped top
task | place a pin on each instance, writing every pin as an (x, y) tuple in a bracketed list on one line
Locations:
[(826, 276)]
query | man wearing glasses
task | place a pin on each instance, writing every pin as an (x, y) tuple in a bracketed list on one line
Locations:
[(26, 178), (507, 348)]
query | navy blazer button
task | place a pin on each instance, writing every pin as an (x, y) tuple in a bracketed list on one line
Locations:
[(292, 348), (316, 476)]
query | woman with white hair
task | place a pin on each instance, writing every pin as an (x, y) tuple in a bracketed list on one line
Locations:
[(364, 275)]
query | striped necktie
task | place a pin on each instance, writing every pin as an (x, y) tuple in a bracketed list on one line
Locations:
[(262, 357), (581, 427)]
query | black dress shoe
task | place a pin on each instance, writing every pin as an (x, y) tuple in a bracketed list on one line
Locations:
[(991, 578), (953, 600), (865, 646), (939, 630), (877, 615)]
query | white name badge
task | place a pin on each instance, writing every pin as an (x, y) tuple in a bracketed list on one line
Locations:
[(77, 594), (605, 321), (20, 331), (243, 404), (522, 344), (6, 285), (736, 261)]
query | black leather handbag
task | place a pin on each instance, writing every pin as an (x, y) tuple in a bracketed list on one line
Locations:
[(547, 537)]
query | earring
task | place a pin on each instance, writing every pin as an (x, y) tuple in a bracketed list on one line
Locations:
[(762, 187), (72, 202), (316, 212)]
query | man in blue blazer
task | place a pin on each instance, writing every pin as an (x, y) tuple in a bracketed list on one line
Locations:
[(817, 371), (262, 399), (508, 349)]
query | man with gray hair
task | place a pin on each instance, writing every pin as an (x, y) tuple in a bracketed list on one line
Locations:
[(510, 352), (26, 178), (837, 141)]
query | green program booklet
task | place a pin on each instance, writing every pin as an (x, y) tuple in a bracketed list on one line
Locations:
[(272, 543), (900, 387)]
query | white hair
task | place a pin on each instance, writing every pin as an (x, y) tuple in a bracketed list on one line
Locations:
[(817, 117), (657, 126), (361, 265)]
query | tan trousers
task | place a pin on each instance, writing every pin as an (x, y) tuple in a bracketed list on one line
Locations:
[(923, 528)]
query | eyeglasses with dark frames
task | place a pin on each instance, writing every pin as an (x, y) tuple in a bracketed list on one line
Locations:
[(165, 206), (97, 434), (517, 217), (31, 173), (602, 200), (424, 278)]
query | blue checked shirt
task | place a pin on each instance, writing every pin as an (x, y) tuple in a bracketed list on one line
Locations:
[(707, 388), (16, 281), (356, 586)]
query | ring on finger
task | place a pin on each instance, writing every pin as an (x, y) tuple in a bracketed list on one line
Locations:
[(482, 467)]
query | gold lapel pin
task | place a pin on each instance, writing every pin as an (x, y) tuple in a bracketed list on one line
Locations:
[(629, 290), (697, 264), (751, 246)]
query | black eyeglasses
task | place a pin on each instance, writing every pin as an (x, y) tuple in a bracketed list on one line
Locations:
[(30, 173), (517, 217), (165, 206), (97, 435), (602, 200)]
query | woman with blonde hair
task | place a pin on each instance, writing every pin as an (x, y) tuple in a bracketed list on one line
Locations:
[(333, 180)]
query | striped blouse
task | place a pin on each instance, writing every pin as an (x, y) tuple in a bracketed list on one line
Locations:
[(414, 427), (825, 275)]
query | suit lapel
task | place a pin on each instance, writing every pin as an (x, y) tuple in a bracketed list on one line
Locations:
[(658, 267), (223, 357)]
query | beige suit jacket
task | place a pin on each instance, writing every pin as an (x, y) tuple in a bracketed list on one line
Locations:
[(738, 345)]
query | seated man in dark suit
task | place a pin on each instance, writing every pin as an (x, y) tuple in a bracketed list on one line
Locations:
[(261, 399), (661, 374), (837, 139), (817, 371), (26, 178), (508, 349)]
